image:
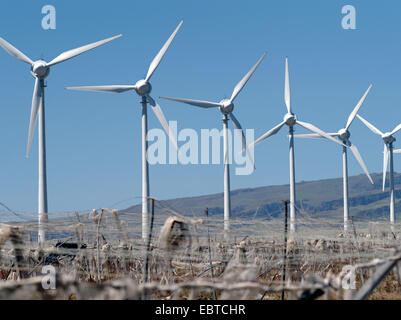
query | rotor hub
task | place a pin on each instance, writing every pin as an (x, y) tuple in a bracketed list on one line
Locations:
[(388, 138), (290, 119), (344, 135), (143, 88), (40, 69), (226, 106)]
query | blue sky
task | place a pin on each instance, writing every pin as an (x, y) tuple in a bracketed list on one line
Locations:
[(93, 139)]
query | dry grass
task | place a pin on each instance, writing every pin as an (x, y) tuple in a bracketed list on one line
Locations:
[(103, 257)]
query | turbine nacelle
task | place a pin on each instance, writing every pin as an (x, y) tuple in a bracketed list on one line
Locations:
[(226, 106), (143, 88), (40, 69), (290, 119), (344, 134), (388, 138)]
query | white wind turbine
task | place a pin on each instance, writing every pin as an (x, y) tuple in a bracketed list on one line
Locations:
[(143, 88), (291, 120), (40, 70), (226, 107), (344, 135), (388, 140)]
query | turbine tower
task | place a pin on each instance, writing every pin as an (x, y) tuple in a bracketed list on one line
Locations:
[(143, 88), (40, 70), (226, 107), (388, 140), (291, 120), (344, 135)]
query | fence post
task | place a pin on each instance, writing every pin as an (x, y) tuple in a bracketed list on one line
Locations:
[(145, 273), (210, 252), (285, 244)]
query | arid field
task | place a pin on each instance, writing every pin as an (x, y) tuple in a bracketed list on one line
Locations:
[(101, 255)]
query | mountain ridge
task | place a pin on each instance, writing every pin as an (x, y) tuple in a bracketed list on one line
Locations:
[(318, 198)]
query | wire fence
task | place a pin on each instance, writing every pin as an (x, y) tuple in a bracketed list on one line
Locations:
[(103, 245)]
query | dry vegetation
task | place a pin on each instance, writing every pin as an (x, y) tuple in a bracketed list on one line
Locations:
[(102, 256)]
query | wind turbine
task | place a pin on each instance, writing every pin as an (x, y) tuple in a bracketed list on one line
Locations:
[(143, 88), (388, 140), (344, 135), (291, 120), (40, 70), (226, 107)]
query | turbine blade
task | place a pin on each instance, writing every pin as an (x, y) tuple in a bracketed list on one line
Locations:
[(268, 134), (358, 157), (370, 126), (156, 61), (160, 116), (75, 52), (15, 52), (312, 128), (197, 103), (356, 109), (36, 100), (114, 88), (396, 129), (287, 91), (314, 135), (245, 79), (397, 151), (385, 161), (237, 125)]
